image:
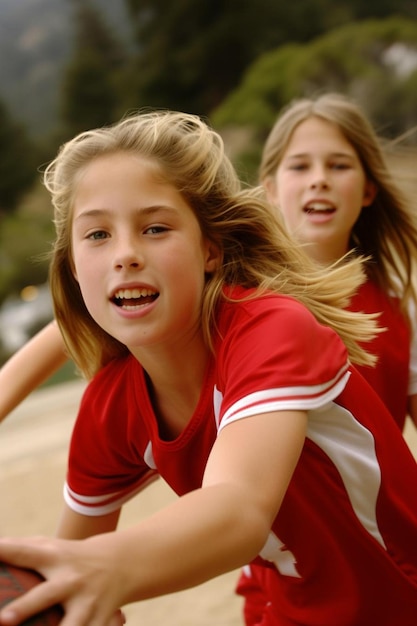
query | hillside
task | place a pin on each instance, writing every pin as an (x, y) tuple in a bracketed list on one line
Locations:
[(35, 43)]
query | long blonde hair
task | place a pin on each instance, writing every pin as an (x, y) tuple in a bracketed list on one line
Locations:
[(257, 251), (386, 231)]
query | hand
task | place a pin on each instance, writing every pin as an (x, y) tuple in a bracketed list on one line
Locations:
[(79, 576)]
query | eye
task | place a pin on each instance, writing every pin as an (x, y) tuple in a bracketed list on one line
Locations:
[(97, 235), (155, 230), (340, 166), (298, 166)]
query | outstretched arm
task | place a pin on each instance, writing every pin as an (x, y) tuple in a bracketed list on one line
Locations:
[(207, 532), (30, 366)]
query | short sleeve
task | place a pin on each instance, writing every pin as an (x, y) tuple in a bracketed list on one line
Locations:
[(106, 461), (276, 356)]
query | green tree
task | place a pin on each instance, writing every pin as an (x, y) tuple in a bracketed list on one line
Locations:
[(17, 161), (191, 55), (92, 88)]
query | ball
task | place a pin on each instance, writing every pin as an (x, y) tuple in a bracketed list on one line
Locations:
[(14, 582)]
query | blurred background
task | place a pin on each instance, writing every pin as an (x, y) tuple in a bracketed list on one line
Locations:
[(69, 65)]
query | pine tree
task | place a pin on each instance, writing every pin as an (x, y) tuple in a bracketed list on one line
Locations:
[(92, 88)]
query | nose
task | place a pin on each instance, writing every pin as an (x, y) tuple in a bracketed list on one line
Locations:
[(319, 179), (128, 254)]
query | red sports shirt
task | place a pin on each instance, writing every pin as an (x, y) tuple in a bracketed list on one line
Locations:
[(343, 548), (392, 377)]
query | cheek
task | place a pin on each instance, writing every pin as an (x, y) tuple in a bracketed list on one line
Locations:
[(288, 202), (86, 275), (77, 267), (354, 192), (92, 296), (287, 189), (272, 195)]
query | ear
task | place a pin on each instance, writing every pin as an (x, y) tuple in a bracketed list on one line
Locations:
[(214, 257), (369, 193)]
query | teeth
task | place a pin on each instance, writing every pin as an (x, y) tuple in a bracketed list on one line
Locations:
[(126, 294), (318, 206)]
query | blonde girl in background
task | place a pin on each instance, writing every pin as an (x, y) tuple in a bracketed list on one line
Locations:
[(219, 356), (324, 169)]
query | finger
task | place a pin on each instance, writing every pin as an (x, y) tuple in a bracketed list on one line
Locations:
[(24, 552), (82, 615), (32, 602)]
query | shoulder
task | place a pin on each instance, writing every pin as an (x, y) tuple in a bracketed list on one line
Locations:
[(280, 331), (109, 407), (278, 315), (370, 298), (274, 355)]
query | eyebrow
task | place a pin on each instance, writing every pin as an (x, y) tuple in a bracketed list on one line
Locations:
[(301, 155), (145, 211)]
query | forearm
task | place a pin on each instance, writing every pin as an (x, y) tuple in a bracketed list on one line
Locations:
[(72, 525), (223, 525), (29, 367), (200, 536)]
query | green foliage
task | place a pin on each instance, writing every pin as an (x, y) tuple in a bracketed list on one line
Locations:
[(91, 92), (17, 159), (89, 100), (191, 54), (25, 242), (267, 85), (183, 35)]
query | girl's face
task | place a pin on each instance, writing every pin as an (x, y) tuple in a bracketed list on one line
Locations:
[(320, 187), (138, 253)]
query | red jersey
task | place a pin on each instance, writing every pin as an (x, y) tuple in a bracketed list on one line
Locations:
[(393, 378), (390, 377), (343, 547)]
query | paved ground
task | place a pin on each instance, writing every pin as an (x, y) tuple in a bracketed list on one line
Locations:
[(33, 443)]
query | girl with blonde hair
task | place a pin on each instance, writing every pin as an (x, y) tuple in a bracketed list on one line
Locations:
[(325, 170)]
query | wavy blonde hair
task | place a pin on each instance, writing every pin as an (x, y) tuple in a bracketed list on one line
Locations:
[(257, 251), (386, 231)]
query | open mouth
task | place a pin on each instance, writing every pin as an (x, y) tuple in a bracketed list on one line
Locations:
[(134, 298), (318, 207)]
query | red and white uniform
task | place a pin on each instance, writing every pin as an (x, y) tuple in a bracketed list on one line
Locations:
[(394, 377), (343, 548)]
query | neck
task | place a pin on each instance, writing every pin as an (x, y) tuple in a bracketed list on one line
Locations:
[(326, 253), (175, 380)]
